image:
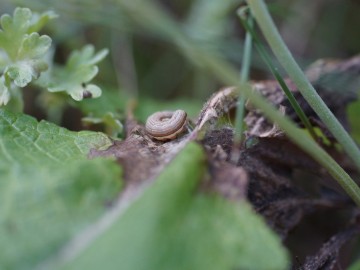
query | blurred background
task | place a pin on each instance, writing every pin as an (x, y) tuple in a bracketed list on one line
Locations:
[(145, 67)]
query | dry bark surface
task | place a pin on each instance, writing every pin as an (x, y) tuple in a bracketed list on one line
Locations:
[(285, 185)]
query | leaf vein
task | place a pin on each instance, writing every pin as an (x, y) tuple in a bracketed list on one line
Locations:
[(22, 133)]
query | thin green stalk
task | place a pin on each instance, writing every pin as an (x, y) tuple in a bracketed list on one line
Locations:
[(264, 20), (266, 58), (244, 75), (151, 17), (16, 102)]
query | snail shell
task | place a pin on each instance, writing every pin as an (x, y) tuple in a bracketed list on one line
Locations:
[(166, 125)]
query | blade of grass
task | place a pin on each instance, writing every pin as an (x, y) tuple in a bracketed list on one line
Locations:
[(239, 118), (266, 58), (244, 75), (151, 17), (267, 26)]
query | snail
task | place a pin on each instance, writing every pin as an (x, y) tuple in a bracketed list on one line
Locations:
[(166, 125)]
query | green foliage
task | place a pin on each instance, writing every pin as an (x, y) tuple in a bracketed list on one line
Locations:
[(28, 64), (40, 20), (24, 57), (242, 13), (15, 30), (78, 71), (172, 226), (21, 51), (283, 54), (49, 190)]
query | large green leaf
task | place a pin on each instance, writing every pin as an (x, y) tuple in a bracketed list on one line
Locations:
[(49, 190), (173, 226)]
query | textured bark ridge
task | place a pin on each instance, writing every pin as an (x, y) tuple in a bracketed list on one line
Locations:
[(282, 182)]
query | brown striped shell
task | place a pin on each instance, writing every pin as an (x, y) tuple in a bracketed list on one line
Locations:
[(166, 125)]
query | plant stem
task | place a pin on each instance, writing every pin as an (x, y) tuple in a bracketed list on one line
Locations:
[(244, 75), (239, 119), (16, 102), (263, 18), (266, 58)]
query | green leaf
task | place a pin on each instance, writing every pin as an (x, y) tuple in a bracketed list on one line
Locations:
[(38, 21), (23, 51), (34, 46), (172, 226), (14, 30), (49, 190), (28, 64), (79, 70)]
